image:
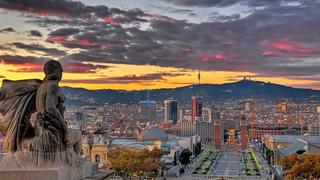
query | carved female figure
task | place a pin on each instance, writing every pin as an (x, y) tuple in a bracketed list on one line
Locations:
[(48, 140)]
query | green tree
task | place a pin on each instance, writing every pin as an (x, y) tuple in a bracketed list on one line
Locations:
[(135, 162), (185, 156)]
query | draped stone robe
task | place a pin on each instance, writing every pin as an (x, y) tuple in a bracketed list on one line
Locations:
[(17, 103)]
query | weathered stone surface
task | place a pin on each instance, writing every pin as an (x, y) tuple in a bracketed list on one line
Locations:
[(28, 174), (47, 142), (100, 176)]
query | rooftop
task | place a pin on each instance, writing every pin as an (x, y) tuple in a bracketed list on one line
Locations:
[(153, 134), (294, 138), (300, 145)]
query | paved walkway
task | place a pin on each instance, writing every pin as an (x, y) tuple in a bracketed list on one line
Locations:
[(229, 164)]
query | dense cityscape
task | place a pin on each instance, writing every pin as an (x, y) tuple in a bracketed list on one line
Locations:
[(159, 89), (245, 137)]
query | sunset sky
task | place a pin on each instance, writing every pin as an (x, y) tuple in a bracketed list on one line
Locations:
[(140, 44)]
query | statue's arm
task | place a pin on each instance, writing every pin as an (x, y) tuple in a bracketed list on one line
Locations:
[(52, 99)]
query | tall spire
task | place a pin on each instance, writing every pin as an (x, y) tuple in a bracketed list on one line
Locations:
[(199, 75)]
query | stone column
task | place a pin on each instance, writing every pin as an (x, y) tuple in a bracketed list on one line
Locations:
[(243, 133), (217, 134)]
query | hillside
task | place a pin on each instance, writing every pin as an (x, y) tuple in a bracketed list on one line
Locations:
[(236, 90)]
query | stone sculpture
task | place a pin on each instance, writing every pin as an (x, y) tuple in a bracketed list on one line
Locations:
[(46, 141)]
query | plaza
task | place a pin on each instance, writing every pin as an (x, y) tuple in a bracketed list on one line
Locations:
[(229, 164)]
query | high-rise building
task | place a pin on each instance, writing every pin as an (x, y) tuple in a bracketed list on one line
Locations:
[(148, 110), (171, 111), (187, 128), (205, 130), (196, 107)]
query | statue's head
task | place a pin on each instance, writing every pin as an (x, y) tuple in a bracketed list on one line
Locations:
[(53, 70)]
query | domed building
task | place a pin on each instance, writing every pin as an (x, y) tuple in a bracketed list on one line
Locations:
[(152, 138), (153, 134)]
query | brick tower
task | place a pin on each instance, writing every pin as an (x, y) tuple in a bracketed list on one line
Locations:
[(217, 133), (243, 133)]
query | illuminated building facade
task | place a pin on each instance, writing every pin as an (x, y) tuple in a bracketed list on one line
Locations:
[(196, 107)]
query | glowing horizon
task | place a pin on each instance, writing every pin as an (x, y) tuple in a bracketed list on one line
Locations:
[(115, 45)]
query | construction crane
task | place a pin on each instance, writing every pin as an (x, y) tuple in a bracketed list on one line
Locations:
[(252, 114), (199, 75)]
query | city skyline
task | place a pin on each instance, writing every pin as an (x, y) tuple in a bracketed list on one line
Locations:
[(161, 44)]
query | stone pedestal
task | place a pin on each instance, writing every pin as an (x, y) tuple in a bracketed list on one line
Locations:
[(28, 174), (62, 173)]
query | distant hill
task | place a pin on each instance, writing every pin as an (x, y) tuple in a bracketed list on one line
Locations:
[(236, 90)]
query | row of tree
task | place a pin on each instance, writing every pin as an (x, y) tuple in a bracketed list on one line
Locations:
[(132, 162), (306, 166)]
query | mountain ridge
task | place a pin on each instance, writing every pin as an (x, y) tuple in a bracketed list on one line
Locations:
[(209, 92)]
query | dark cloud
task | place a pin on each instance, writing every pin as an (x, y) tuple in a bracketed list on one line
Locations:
[(8, 29), (23, 64), (48, 21), (265, 43), (6, 48), (270, 41), (92, 37), (35, 33), (72, 43), (55, 7), (129, 79), (40, 48), (223, 3), (35, 64), (21, 60), (64, 32), (78, 67), (72, 9)]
